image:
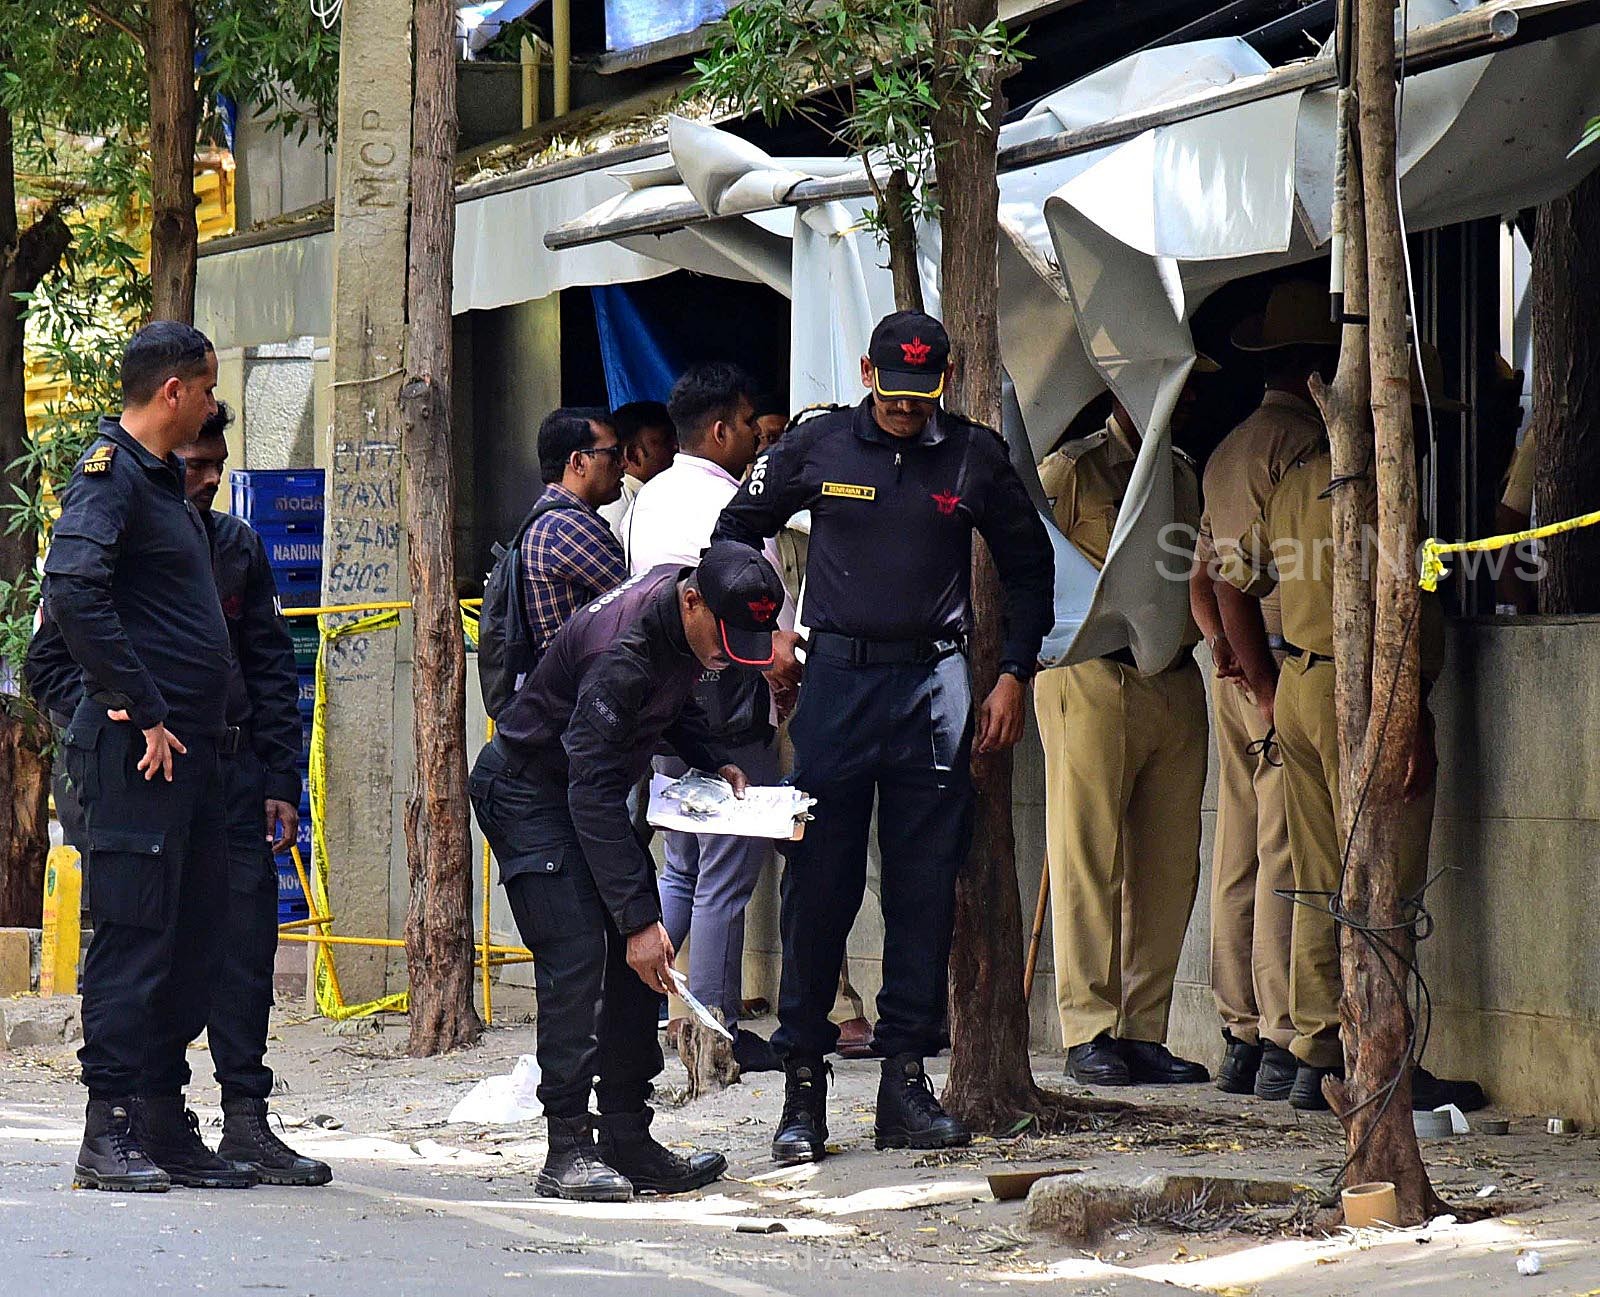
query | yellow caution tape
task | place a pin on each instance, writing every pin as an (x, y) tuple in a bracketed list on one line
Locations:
[(1433, 567), (330, 1001)]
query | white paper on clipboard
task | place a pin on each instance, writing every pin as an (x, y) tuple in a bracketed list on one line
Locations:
[(760, 813)]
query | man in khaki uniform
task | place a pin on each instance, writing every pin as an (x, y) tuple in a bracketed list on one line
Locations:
[(1289, 548), (1125, 769), (1250, 864)]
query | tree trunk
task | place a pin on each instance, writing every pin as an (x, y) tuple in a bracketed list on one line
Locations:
[(901, 232), (991, 1081), (1566, 392), (1374, 1102), (438, 842), (26, 256), (174, 123)]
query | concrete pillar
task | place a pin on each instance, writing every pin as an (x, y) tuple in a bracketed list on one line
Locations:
[(363, 560)]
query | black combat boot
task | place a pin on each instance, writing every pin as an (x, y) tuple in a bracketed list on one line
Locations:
[(573, 1168), (111, 1157), (909, 1116), (1275, 1076), (803, 1128), (1306, 1093), (1240, 1063), (170, 1134), (625, 1146), (248, 1139)]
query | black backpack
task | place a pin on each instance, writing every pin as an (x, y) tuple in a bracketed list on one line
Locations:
[(506, 654)]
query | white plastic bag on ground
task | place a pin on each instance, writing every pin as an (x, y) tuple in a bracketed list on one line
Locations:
[(502, 1100)]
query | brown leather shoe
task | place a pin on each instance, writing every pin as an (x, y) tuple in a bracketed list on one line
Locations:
[(855, 1039)]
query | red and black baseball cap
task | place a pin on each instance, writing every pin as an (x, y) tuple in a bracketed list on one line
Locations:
[(745, 594), (909, 353)]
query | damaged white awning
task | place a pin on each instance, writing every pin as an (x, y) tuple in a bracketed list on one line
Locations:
[(1113, 235)]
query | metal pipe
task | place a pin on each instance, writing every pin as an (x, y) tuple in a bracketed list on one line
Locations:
[(561, 59), (1466, 36)]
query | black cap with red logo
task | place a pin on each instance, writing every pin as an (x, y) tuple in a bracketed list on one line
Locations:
[(745, 594), (909, 352)]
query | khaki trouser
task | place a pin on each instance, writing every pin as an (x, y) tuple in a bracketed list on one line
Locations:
[(1250, 864), (1308, 732), (1125, 769)]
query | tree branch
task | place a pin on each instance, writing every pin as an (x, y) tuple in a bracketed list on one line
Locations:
[(39, 248), (111, 20)]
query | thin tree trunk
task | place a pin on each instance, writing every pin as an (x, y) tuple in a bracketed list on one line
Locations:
[(26, 256), (1375, 1100), (901, 232), (438, 842), (1566, 392), (174, 122), (991, 1081)]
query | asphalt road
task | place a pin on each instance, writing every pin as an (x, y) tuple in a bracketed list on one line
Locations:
[(392, 1230)]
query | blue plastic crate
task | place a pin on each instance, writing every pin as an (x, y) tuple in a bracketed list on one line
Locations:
[(265, 496), (292, 544), (289, 888), (299, 587)]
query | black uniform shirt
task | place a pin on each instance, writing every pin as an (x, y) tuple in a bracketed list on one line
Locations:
[(128, 579), (617, 681), (263, 691), (891, 527)]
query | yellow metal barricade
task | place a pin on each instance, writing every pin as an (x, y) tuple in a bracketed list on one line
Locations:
[(317, 928)]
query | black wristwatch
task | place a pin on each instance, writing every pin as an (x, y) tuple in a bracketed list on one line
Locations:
[(1021, 672)]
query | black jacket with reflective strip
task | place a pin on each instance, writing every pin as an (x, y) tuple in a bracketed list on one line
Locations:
[(891, 527), (615, 685)]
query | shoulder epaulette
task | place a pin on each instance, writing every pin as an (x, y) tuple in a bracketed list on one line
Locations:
[(811, 412), (99, 459), (1081, 446)]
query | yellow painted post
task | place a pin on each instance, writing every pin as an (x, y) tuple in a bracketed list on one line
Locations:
[(63, 904), (488, 995), (561, 60)]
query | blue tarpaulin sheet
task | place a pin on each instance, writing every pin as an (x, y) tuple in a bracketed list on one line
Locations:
[(631, 23), (638, 366)]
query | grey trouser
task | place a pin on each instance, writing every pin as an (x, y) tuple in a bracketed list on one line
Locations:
[(707, 882)]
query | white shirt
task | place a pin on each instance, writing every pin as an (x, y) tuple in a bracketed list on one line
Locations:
[(674, 513), (616, 512)]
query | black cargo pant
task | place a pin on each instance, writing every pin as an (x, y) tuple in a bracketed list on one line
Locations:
[(155, 876), (241, 1000), (596, 1027), (901, 732)]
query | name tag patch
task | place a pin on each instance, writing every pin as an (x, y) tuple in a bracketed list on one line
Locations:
[(850, 491)]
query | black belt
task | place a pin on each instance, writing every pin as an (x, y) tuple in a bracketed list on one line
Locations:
[(867, 652), (232, 741), (1295, 651)]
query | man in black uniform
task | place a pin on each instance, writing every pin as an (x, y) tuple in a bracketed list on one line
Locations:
[(261, 790), (128, 580), (551, 794), (895, 486)]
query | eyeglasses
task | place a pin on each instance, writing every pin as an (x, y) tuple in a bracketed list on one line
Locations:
[(614, 453)]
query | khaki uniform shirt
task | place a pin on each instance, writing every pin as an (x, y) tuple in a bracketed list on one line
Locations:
[(1519, 479), (1243, 472), (1086, 480), (1289, 548)]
